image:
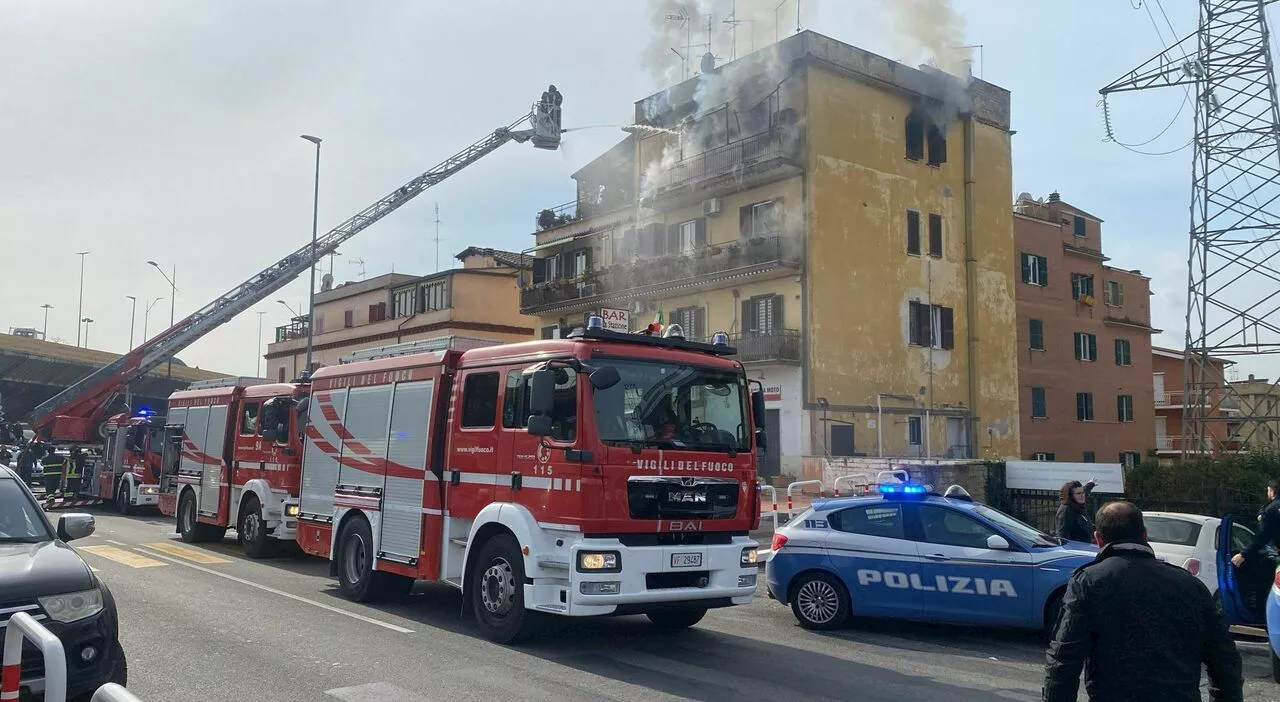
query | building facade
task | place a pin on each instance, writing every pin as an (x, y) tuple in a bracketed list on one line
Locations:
[(480, 300), (1171, 403), (844, 218), (1259, 401), (1084, 340)]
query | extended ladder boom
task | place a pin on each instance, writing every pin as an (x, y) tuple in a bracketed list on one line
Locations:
[(71, 414)]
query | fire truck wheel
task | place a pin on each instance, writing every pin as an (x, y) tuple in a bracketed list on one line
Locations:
[(672, 620), (356, 577), (252, 531), (191, 530), (497, 591), (122, 499)]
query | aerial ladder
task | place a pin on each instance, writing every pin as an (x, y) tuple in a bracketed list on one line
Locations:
[(78, 414)]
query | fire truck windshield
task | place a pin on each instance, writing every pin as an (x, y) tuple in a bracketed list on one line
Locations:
[(674, 406)]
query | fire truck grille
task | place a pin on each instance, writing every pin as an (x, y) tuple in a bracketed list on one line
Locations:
[(682, 498)]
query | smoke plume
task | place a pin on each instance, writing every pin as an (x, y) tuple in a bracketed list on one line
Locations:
[(930, 31)]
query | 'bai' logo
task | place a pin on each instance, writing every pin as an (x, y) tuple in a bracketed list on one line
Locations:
[(941, 583)]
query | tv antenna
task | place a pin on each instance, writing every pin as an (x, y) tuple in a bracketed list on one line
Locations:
[(685, 21), (358, 262), (437, 221), (733, 22)]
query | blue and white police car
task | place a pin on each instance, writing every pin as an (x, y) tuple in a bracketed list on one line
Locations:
[(913, 554)]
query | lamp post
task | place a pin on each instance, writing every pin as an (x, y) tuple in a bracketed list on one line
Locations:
[(315, 217), (87, 321), (44, 333), (258, 353), (173, 294), (146, 317), (80, 308), (133, 318)]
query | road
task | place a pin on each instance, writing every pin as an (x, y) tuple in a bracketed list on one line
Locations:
[(202, 622)]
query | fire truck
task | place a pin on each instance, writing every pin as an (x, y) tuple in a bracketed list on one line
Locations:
[(602, 473), (84, 414)]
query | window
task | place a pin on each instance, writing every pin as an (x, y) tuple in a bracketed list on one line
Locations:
[(348, 319), (1129, 459), (914, 431), (935, 235), (762, 314), (937, 142), (1086, 346), (1035, 330), (884, 521), (657, 403), (1166, 530), (680, 238), (758, 219), (377, 312), (1035, 269), (689, 236), (1113, 293), (280, 375), (515, 404), (1043, 456), (1039, 404), (931, 325), (693, 320), (404, 302), (1081, 285), (1084, 406), (249, 419), (915, 137), (1079, 226), (913, 232), (1089, 457), (435, 295), (479, 400), (551, 332), (319, 324), (947, 527), (1124, 408), (23, 520), (1124, 354), (515, 401)]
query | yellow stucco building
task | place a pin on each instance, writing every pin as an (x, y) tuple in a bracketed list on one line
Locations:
[(843, 217)]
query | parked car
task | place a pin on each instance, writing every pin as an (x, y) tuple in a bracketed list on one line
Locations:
[(1191, 542), (44, 577)]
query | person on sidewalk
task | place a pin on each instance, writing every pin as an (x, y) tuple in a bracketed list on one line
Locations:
[(1139, 627), (1073, 525)]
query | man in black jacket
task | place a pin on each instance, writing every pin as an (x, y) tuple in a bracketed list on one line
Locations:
[(1140, 628), (1268, 532)]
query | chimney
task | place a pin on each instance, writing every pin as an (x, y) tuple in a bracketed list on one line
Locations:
[(1055, 197)]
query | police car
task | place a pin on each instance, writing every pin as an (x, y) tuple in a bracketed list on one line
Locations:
[(913, 554)]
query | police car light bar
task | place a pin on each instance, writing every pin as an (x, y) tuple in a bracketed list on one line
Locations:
[(901, 489)]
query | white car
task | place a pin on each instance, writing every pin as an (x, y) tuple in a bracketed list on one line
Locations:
[(1191, 541)]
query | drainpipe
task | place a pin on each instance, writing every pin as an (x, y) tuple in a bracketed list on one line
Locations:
[(971, 284), (879, 428)]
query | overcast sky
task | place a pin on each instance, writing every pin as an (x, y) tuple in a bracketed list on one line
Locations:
[(168, 131)]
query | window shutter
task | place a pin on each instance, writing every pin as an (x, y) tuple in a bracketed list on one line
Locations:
[(1042, 265), (777, 313), (913, 323), (539, 270), (1079, 344), (1026, 268), (913, 232), (589, 252), (1093, 347), (744, 222), (673, 239), (1079, 225), (748, 317), (699, 322), (946, 328), (935, 235), (700, 232), (1119, 302)]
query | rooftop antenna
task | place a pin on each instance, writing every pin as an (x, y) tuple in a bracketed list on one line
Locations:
[(437, 221), (733, 22), (981, 61), (682, 17), (359, 262)]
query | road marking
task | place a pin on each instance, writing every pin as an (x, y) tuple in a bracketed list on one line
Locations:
[(122, 556), (117, 543), (375, 692), (272, 590), (190, 554)]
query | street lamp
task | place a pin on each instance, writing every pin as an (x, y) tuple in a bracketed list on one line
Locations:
[(133, 317), (258, 353), (288, 307), (44, 333), (87, 321), (173, 294), (80, 308), (315, 220), (146, 317)]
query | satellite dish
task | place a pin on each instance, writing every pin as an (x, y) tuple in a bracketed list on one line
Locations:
[(1025, 196), (708, 62), (326, 282)]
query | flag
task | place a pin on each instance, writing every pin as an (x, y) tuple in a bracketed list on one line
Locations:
[(656, 325)]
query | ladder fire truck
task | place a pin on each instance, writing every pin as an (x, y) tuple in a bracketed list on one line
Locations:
[(81, 413), (603, 473)]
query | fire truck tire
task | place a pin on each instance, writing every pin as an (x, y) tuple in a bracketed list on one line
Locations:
[(191, 530), (497, 592), (357, 579), (122, 499), (673, 620), (251, 529)]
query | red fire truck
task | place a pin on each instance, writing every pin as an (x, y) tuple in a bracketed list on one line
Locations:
[(603, 473)]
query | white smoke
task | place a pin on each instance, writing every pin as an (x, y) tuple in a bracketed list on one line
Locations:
[(930, 31)]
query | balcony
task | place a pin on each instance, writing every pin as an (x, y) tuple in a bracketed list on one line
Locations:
[(1174, 399), (736, 166), (698, 269), (297, 329), (1209, 445), (782, 346), (556, 216)]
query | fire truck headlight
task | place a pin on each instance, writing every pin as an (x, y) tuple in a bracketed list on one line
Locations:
[(291, 510), (73, 606), (599, 562), (749, 557), (149, 490)]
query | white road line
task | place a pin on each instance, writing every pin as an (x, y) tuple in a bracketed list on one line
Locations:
[(117, 543), (264, 588)]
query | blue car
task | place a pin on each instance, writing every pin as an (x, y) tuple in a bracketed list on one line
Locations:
[(911, 554)]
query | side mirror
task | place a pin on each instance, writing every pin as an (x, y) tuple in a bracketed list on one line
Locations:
[(539, 425), (605, 377), (542, 392), (757, 418), (75, 526), (268, 434), (997, 542)]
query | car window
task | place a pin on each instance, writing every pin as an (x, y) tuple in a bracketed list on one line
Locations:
[(1241, 537), (948, 527), (1178, 532), (874, 520), (19, 519)]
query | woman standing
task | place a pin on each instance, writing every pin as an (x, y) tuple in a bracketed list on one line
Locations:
[(1072, 522)]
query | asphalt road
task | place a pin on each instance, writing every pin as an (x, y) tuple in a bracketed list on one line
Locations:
[(203, 622)]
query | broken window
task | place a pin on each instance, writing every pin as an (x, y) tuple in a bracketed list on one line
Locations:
[(915, 137), (758, 219), (937, 146)]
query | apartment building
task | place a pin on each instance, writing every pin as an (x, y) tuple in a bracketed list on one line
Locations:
[(1084, 340), (818, 203), (1259, 401), (1172, 403), (480, 300)]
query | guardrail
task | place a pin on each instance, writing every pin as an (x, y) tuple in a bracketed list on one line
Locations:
[(23, 627), (793, 486), (773, 497)]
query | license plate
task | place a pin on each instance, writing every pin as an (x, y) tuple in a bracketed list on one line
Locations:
[(686, 560)]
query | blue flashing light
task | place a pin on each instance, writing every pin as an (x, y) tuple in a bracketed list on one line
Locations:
[(901, 489), (144, 412), (595, 322), (720, 339)]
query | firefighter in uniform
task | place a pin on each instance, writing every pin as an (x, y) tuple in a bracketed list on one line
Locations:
[(74, 470), (55, 467)]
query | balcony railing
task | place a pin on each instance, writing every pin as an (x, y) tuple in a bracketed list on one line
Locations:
[(1177, 398), (296, 330), (1208, 444), (728, 159), (706, 264), (556, 216), (772, 346)]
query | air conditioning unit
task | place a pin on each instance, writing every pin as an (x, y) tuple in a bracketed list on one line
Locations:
[(712, 207)]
